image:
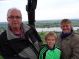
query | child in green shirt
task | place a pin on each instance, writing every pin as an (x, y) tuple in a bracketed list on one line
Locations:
[(49, 51)]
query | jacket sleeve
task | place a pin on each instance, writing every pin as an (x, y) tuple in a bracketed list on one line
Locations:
[(35, 33), (75, 48), (34, 37)]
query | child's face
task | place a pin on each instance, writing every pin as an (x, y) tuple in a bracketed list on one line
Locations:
[(50, 41)]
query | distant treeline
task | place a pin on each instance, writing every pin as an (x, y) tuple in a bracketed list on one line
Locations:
[(54, 23), (43, 24)]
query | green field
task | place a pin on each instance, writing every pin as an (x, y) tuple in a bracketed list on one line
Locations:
[(54, 23)]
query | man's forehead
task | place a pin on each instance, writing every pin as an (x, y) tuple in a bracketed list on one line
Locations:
[(65, 23), (16, 11)]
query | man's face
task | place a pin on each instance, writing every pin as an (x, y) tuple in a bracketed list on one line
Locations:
[(14, 19), (66, 27), (50, 41)]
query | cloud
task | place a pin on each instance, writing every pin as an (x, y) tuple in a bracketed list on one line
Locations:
[(58, 9), (46, 9)]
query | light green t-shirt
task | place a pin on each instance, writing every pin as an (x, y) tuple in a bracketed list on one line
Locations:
[(53, 54), (50, 54)]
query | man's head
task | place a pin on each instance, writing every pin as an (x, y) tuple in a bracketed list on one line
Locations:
[(51, 39), (14, 17), (66, 25)]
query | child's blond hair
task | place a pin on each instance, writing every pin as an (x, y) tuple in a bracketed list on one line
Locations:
[(50, 34)]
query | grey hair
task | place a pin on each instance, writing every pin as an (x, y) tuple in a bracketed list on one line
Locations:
[(12, 9)]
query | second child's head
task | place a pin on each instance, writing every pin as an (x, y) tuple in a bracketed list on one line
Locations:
[(50, 39)]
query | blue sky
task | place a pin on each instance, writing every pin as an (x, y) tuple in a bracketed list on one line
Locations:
[(46, 9)]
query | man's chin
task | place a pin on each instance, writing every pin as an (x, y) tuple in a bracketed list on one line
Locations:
[(66, 31)]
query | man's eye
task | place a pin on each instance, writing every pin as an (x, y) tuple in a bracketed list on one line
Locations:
[(12, 17)]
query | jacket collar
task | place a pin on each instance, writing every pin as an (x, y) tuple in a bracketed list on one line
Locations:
[(10, 35), (51, 48), (64, 35)]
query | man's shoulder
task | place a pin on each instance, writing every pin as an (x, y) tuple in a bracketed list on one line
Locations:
[(75, 35), (3, 33), (3, 36), (26, 27)]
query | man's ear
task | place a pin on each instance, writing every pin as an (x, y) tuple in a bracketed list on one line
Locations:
[(7, 19)]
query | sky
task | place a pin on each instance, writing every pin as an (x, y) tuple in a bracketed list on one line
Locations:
[(46, 9)]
